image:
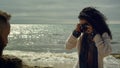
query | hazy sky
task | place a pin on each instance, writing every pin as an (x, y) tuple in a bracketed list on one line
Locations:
[(57, 11)]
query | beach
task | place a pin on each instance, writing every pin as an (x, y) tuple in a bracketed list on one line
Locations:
[(57, 60), (42, 45)]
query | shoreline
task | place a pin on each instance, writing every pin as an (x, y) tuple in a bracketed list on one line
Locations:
[(53, 60), (10, 61), (19, 63)]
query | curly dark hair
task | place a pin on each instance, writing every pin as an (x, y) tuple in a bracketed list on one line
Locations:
[(96, 19)]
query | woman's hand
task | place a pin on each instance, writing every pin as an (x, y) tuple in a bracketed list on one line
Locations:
[(78, 27), (92, 32), (89, 29), (77, 32)]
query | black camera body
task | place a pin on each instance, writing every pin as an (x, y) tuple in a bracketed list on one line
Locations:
[(84, 27)]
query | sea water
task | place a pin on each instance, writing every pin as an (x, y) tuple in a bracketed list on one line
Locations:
[(43, 44)]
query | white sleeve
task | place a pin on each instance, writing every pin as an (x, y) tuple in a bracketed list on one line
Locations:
[(103, 44), (71, 42)]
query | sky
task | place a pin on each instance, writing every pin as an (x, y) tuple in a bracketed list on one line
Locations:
[(57, 11)]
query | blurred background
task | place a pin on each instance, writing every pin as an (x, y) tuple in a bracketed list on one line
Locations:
[(57, 11), (39, 28)]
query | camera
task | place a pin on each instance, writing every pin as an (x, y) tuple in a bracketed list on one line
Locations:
[(84, 27)]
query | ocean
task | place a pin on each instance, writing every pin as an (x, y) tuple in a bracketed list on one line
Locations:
[(43, 44)]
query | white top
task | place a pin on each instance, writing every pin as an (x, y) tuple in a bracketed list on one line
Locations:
[(103, 45)]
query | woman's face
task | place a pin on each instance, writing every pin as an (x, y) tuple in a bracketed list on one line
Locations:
[(89, 27)]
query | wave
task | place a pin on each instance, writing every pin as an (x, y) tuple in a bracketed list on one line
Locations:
[(56, 60)]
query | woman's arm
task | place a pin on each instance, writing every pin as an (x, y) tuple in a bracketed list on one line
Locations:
[(72, 40), (103, 44)]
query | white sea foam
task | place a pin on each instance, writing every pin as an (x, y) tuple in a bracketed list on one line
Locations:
[(57, 60)]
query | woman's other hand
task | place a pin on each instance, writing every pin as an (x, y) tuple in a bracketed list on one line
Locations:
[(89, 29)]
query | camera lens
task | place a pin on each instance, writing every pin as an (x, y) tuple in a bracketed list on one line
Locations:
[(83, 27)]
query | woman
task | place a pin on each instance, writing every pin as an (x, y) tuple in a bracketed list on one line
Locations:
[(92, 38)]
